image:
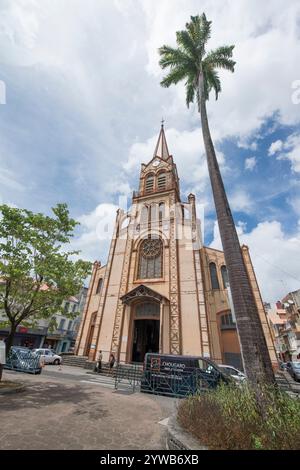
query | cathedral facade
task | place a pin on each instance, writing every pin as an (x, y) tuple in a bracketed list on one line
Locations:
[(161, 289)]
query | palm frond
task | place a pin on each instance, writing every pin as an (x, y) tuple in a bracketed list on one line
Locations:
[(174, 76), (212, 81), (190, 59), (191, 89), (199, 29), (171, 57), (186, 42), (221, 58)]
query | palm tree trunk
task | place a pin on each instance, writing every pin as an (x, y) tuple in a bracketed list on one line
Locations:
[(255, 354)]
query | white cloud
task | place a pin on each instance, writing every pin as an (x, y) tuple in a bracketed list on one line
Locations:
[(292, 148), (250, 163), (93, 71), (96, 230), (244, 143), (275, 147), (8, 179), (261, 84), (240, 201), (294, 201), (288, 150), (275, 256)]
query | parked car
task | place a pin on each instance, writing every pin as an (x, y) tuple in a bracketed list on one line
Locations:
[(48, 355), (282, 365), (293, 369), (23, 360), (232, 372)]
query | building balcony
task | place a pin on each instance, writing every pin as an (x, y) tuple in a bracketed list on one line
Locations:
[(61, 334)]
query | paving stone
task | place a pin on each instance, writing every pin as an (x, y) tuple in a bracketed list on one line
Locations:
[(59, 413)]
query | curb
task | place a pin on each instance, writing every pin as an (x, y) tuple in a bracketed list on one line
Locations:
[(179, 439)]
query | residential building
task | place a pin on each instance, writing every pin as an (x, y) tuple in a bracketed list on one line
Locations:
[(58, 333)]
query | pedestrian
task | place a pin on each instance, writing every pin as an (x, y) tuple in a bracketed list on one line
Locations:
[(99, 362), (112, 361)]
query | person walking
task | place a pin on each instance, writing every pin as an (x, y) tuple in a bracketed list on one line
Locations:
[(99, 362), (112, 361)]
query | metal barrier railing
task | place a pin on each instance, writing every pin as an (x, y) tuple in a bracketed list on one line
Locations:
[(23, 362), (129, 374), (179, 383), (175, 383)]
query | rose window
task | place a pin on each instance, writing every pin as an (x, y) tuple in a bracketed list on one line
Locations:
[(150, 259)]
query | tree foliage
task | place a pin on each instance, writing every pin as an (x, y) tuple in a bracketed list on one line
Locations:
[(190, 59), (37, 272)]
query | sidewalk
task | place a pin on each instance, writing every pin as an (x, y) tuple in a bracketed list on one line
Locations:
[(77, 413)]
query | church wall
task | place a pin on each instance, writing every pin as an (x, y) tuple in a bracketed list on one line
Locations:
[(216, 300), (112, 295), (190, 327), (91, 306)]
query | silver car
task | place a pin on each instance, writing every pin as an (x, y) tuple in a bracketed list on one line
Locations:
[(48, 356), (293, 368), (232, 372)]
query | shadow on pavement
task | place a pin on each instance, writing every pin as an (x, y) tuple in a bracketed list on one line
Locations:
[(43, 394)]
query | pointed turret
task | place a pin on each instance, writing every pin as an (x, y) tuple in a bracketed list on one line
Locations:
[(161, 149), (160, 174)]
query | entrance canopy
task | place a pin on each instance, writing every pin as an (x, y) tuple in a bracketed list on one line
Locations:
[(142, 292)]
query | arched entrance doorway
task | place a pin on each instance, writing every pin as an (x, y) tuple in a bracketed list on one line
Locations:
[(146, 323), (146, 327), (90, 334)]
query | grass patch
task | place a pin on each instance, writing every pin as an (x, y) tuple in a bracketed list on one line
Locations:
[(230, 418)]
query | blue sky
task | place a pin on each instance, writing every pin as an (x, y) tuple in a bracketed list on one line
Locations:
[(84, 104)]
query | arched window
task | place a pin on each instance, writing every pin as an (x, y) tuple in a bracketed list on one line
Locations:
[(150, 259), (224, 276), (99, 286), (161, 211), (149, 184), (213, 276), (227, 321), (153, 213), (144, 215), (161, 181)]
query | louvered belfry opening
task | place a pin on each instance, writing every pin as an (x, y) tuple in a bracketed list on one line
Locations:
[(161, 181), (149, 185)]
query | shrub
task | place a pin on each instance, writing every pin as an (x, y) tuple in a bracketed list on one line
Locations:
[(230, 418)]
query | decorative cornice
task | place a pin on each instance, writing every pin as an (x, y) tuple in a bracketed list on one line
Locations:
[(141, 292)]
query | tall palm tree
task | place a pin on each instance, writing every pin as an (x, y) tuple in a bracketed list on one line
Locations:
[(190, 62)]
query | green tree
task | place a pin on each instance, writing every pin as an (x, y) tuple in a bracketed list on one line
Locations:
[(36, 271), (199, 69)]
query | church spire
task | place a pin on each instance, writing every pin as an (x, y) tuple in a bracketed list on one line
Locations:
[(161, 149)]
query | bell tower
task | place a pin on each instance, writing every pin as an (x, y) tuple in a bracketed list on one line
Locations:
[(160, 174)]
